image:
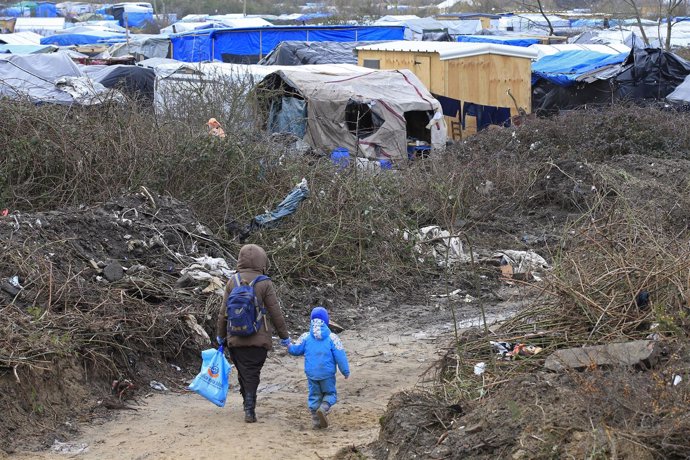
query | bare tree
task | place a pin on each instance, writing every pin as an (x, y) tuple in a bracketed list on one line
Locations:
[(537, 6), (638, 17), (668, 9)]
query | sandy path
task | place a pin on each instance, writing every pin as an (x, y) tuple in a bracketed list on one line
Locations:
[(186, 426)]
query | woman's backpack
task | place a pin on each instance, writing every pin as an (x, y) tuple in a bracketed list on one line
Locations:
[(245, 314)]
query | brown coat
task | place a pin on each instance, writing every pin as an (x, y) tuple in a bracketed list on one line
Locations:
[(251, 263)]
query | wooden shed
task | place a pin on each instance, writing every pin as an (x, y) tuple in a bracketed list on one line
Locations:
[(478, 84)]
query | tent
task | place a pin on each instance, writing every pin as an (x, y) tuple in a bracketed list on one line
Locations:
[(642, 75), (132, 15), (42, 26), (415, 27), (21, 38), (134, 81), (86, 37), (26, 49), (498, 39), (301, 53), (370, 113), (564, 69), (47, 78), (681, 95), (546, 50), (249, 45), (140, 45)]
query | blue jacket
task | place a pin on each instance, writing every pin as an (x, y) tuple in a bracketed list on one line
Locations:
[(322, 351)]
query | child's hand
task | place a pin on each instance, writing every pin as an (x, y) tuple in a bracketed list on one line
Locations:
[(347, 376)]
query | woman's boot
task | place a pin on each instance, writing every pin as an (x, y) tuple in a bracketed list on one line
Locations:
[(249, 407)]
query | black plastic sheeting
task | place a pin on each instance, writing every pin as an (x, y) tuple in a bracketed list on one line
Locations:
[(436, 36), (646, 75), (304, 53), (136, 82)]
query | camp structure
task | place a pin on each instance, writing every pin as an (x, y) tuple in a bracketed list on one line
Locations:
[(304, 53), (573, 79), (372, 114), (49, 78), (249, 45), (478, 84)]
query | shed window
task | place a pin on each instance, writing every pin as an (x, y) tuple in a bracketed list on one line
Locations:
[(372, 63)]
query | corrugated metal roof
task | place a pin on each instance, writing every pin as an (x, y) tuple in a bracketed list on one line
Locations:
[(452, 50)]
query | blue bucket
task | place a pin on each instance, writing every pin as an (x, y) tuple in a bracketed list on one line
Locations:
[(341, 157)]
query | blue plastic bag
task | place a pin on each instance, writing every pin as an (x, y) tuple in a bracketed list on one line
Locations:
[(212, 381)]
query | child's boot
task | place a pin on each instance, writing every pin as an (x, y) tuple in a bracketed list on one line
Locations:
[(321, 413), (315, 421)]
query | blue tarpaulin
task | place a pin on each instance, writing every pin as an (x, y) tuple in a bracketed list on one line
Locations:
[(498, 39), (137, 19), (564, 68), (85, 38), (257, 42), (249, 44), (285, 208), (14, 12), (46, 10), (192, 46)]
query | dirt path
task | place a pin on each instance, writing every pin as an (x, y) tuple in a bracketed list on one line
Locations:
[(384, 359)]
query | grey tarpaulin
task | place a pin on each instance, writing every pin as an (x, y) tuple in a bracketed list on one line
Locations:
[(288, 115), (285, 208), (47, 78), (681, 94), (301, 53)]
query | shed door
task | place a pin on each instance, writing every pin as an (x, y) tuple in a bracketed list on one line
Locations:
[(422, 68)]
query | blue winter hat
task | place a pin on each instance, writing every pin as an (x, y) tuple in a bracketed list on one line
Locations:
[(321, 313)]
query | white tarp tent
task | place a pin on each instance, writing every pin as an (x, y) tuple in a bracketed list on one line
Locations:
[(370, 113)]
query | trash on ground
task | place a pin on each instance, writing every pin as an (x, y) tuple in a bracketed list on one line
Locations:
[(677, 379), (69, 448), (439, 243), (200, 337), (509, 351), (479, 368), (528, 264), (158, 386), (285, 208)]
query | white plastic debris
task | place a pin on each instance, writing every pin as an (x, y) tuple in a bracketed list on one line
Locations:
[(677, 379), (158, 386), (523, 261), (69, 448), (479, 368), (14, 281), (199, 335), (439, 243), (205, 268)]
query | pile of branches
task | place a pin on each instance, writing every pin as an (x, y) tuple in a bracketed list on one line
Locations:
[(57, 302), (616, 277)]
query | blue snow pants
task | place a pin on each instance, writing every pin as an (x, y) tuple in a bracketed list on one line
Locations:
[(322, 391)]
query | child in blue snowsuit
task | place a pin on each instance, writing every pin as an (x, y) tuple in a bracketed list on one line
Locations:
[(322, 351)]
